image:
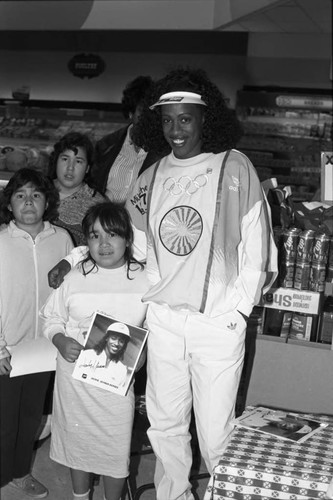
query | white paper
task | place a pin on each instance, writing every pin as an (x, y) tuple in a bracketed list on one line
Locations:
[(32, 356)]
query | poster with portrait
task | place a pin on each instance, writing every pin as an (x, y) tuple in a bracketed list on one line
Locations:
[(112, 353), (281, 424)]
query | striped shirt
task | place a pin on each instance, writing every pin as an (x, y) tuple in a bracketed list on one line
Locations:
[(125, 170)]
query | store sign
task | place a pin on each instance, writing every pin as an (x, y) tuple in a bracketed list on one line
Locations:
[(86, 65), (307, 102), (327, 177), (289, 299)]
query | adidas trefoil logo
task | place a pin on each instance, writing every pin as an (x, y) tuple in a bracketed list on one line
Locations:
[(236, 182), (232, 326)]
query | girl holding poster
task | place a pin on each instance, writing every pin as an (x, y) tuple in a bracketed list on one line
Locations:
[(87, 417)]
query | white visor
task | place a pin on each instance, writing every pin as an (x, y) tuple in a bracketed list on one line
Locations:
[(179, 97)]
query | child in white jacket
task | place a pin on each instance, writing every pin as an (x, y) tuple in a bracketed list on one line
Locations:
[(29, 246)]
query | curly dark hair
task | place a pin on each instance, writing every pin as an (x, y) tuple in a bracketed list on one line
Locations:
[(221, 129), (99, 348), (40, 182), (134, 94), (72, 141), (114, 218)]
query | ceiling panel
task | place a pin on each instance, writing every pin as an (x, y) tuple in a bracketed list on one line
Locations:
[(287, 16), (292, 19), (275, 16), (319, 11), (259, 23)]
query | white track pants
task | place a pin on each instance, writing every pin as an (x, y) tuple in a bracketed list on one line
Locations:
[(192, 360)]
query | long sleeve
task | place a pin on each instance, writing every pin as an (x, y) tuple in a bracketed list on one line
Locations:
[(77, 254), (4, 353), (54, 313), (258, 257), (257, 250), (139, 245)]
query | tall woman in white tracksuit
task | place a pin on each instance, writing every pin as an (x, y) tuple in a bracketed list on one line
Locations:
[(202, 218), (210, 252)]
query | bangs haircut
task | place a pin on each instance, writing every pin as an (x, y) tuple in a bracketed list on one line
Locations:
[(40, 182), (71, 141), (114, 218)]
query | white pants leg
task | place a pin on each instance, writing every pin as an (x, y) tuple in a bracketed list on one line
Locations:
[(169, 403), (216, 367), (190, 352)]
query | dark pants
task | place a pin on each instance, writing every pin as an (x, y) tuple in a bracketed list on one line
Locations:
[(21, 408)]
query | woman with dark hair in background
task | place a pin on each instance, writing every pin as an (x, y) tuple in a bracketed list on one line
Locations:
[(69, 168)]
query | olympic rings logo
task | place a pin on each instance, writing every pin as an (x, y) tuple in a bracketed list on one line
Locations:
[(185, 184)]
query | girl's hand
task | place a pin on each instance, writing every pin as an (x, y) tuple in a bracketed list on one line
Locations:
[(69, 348), (5, 366)]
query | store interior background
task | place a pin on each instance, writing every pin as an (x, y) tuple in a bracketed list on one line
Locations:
[(262, 43), (238, 42)]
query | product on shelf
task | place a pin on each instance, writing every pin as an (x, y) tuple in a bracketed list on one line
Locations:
[(325, 332), (318, 276), (287, 257), (277, 322), (284, 135), (293, 306), (303, 326)]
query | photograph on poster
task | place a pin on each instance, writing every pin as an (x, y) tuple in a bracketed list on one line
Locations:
[(111, 354)]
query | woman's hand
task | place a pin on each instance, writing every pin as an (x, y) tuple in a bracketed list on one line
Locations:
[(58, 272), (69, 348), (5, 366)]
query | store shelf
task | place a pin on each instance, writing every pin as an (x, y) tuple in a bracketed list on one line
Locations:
[(272, 338), (35, 126), (284, 135), (314, 345)]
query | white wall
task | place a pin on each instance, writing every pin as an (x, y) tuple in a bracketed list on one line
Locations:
[(273, 59), (48, 77), (290, 60)]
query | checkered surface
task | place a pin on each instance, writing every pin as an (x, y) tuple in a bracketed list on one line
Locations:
[(256, 466)]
